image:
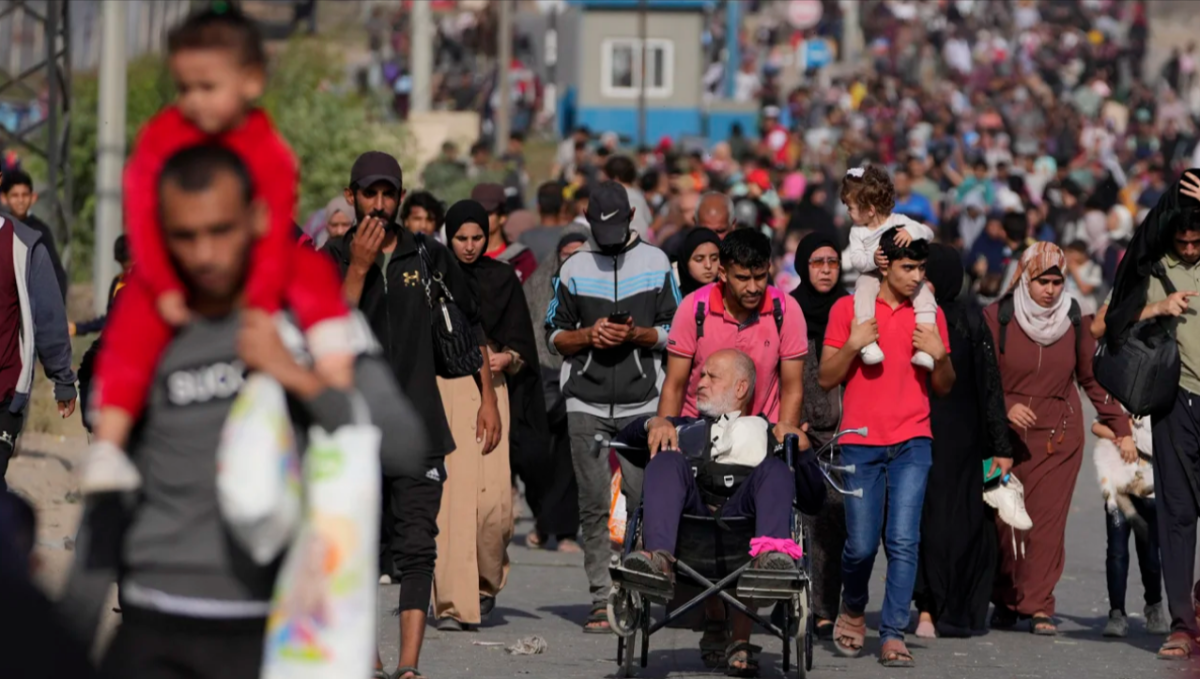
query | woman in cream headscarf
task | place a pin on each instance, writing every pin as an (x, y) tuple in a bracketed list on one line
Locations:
[(1045, 355)]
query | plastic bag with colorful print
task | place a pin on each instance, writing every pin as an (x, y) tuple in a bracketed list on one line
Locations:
[(322, 621)]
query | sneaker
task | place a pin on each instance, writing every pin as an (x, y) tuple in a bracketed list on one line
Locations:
[(1118, 624), (650, 563), (773, 561), (923, 360), (107, 469), (871, 354), (1008, 499), (1157, 621)]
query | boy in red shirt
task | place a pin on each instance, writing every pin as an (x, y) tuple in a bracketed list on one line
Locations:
[(219, 66)]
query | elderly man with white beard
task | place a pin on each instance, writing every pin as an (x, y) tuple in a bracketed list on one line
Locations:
[(726, 466)]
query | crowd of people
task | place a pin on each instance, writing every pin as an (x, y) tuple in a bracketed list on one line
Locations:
[(929, 253)]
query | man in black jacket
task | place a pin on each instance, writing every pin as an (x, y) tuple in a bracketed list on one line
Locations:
[(385, 277), (16, 191)]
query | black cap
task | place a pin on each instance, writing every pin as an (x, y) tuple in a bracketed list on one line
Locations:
[(609, 214), (376, 166)]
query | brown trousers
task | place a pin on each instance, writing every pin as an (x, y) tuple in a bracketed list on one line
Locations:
[(476, 519)]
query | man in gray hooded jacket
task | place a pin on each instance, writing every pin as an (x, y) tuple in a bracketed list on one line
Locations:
[(33, 325)]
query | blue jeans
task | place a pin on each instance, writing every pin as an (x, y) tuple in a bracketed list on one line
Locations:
[(892, 478)]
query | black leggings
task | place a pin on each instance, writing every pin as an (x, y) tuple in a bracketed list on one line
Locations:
[(1145, 540), (410, 535)]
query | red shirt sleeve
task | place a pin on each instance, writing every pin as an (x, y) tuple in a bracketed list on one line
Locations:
[(162, 136), (838, 329)]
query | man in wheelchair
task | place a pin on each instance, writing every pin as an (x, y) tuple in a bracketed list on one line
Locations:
[(726, 465)]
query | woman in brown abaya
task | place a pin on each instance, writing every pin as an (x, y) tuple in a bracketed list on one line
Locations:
[(1044, 356)]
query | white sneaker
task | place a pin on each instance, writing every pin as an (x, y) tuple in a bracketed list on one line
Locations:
[(923, 360), (1009, 501), (107, 469), (871, 354)]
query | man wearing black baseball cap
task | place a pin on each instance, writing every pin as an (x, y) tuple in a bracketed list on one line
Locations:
[(613, 305), (385, 275)]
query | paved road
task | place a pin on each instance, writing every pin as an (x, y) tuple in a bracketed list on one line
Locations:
[(547, 595)]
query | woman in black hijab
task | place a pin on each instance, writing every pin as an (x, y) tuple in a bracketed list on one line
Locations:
[(818, 265), (698, 260), (958, 536), (475, 523)]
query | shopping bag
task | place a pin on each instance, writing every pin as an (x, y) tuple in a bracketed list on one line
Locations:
[(322, 620), (616, 514), (258, 470)]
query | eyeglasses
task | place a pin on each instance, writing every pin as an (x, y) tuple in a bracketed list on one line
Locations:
[(830, 262)]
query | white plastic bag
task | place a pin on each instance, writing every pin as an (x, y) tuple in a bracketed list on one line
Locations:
[(322, 621), (258, 470)]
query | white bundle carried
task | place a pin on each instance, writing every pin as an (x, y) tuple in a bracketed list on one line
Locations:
[(258, 470)]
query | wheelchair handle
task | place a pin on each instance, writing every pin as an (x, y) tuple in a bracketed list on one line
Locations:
[(601, 445)]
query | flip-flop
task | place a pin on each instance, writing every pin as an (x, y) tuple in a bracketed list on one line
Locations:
[(401, 671), (844, 628), (744, 652), (895, 654), (597, 621), (714, 643)]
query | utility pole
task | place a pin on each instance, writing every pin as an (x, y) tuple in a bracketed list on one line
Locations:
[(110, 149), (421, 56), (851, 31), (642, 73), (503, 112)]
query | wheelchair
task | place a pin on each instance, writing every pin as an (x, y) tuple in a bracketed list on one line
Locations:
[(714, 554)]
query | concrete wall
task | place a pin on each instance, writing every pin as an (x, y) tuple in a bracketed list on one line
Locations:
[(682, 28)]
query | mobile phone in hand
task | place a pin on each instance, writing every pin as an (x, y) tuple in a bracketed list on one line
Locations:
[(620, 317)]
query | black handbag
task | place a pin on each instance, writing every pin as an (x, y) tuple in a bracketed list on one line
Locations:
[(455, 348), (1142, 372)]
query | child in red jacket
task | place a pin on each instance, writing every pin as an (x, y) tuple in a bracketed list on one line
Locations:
[(218, 64)]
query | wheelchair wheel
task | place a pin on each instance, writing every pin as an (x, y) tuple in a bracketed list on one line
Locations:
[(803, 659), (625, 610)]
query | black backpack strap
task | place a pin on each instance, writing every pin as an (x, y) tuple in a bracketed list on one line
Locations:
[(1005, 317), (1076, 315), (699, 319), (777, 312)]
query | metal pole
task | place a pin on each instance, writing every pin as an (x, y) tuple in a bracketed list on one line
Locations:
[(642, 71), (110, 146), (421, 30), (503, 69), (851, 31), (733, 48)]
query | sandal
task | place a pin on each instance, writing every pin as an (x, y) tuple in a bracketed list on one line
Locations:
[(848, 635), (381, 673), (713, 643), (894, 653), (597, 621), (411, 672), (1004, 617), (824, 630), (741, 652), (1043, 626), (534, 541), (1178, 641)]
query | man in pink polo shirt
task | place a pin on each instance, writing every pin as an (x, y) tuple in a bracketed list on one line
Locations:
[(892, 461), (741, 312)]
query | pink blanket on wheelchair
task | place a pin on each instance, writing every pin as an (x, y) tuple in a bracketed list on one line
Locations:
[(764, 544)]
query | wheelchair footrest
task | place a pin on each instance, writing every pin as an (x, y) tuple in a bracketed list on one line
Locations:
[(770, 584), (656, 587)]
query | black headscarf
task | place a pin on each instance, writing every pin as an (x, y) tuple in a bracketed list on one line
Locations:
[(1150, 242), (694, 239), (814, 304), (495, 285), (944, 269), (808, 216)]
